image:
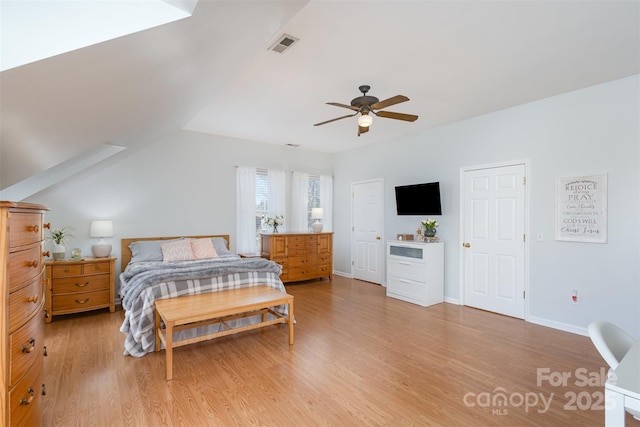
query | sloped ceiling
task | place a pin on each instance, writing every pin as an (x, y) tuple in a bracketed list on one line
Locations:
[(212, 73)]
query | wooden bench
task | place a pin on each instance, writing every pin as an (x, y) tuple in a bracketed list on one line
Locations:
[(217, 307)]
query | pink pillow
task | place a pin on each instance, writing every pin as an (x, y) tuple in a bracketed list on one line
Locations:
[(177, 251), (203, 249)]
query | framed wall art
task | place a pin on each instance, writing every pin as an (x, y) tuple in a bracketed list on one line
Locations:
[(581, 209)]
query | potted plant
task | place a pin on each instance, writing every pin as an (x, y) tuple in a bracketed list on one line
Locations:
[(429, 226), (273, 222), (58, 236)]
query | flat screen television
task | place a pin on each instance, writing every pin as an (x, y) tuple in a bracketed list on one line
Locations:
[(419, 199)]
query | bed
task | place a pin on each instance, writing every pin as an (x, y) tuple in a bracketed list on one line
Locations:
[(156, 268)]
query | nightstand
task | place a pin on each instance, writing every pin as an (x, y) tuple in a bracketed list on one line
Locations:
[(250, 255), (74, 286)]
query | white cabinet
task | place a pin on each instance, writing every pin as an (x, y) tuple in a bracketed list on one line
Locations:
[(415, 272)]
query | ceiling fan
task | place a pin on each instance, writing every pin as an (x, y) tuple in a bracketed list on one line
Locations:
[(365, 104)]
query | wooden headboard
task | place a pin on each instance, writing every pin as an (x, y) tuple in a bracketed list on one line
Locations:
[(125, 252)]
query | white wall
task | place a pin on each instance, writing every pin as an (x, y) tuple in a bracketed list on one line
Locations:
[(184, 184), (591, 131)]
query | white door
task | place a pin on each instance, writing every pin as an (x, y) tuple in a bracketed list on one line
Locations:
[(367, 244), (494, 239)]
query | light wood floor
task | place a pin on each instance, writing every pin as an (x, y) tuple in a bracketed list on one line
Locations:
[(359, 358)]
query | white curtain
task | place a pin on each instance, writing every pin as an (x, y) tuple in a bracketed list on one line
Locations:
[(299, 202), (326, 201), (246, 210), (276, 202)]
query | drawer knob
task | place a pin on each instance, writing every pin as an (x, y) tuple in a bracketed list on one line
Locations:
[(82, 285), (28, 348), (44, 390), (46, 254), (33, 263), (84, 301), (44, 353), (34, 228), (47, 225), (33, 299), (29, 399)]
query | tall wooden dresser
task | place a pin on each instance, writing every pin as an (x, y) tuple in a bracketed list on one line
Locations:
[(303, 256), (21, 318)]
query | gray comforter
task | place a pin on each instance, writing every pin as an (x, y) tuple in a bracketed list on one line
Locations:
[(142, 283)]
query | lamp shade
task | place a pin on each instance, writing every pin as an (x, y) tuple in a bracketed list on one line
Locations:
[(365, 120), (317, 214), (101, 229)]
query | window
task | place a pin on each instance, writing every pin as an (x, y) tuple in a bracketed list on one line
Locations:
[(314, 197), (262, 200)]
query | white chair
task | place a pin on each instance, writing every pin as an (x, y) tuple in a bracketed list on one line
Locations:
[(612, 343)]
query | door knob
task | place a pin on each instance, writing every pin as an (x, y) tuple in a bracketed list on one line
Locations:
[(466, 245), (377, 237)]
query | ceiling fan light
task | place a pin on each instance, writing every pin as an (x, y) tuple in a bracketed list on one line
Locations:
[(365, 120)]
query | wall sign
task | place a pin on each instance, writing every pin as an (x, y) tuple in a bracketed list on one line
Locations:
[(581, 209)]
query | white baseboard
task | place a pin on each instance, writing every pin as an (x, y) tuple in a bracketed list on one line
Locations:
[(343, 274), (558, 325), (452, 300)]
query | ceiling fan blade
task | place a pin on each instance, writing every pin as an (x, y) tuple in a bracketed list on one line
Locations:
[(389, 102), (397, 116), (363, 129), (350, 107), (333, 120)]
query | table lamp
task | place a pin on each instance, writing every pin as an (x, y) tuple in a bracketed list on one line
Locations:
[(101, 229), (317, 214)]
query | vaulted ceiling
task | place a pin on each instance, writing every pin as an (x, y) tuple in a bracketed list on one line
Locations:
[(212, 72)]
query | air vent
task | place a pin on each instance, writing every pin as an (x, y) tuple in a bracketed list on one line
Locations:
[(283, 43)]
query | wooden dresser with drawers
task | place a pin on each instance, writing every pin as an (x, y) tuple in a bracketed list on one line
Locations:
[(21, 323), (303, 256), (80, 285)]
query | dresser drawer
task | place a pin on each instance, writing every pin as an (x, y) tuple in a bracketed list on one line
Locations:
[(25, 398), (96, 268), (324, 270), (302, 245), (26, 228), (24, 265), (68, 270), (302, 261), (406, 288), (302, 240), (324, 259), (80, 284), (407, 270), (301, 273), (23, 302), (81, 301), (26, 346)]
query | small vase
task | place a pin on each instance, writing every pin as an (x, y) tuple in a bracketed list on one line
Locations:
[(429, 232), (59, 251), (275, 229)]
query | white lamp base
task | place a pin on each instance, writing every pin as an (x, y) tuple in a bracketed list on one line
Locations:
[(316, 227), (101, 250)]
